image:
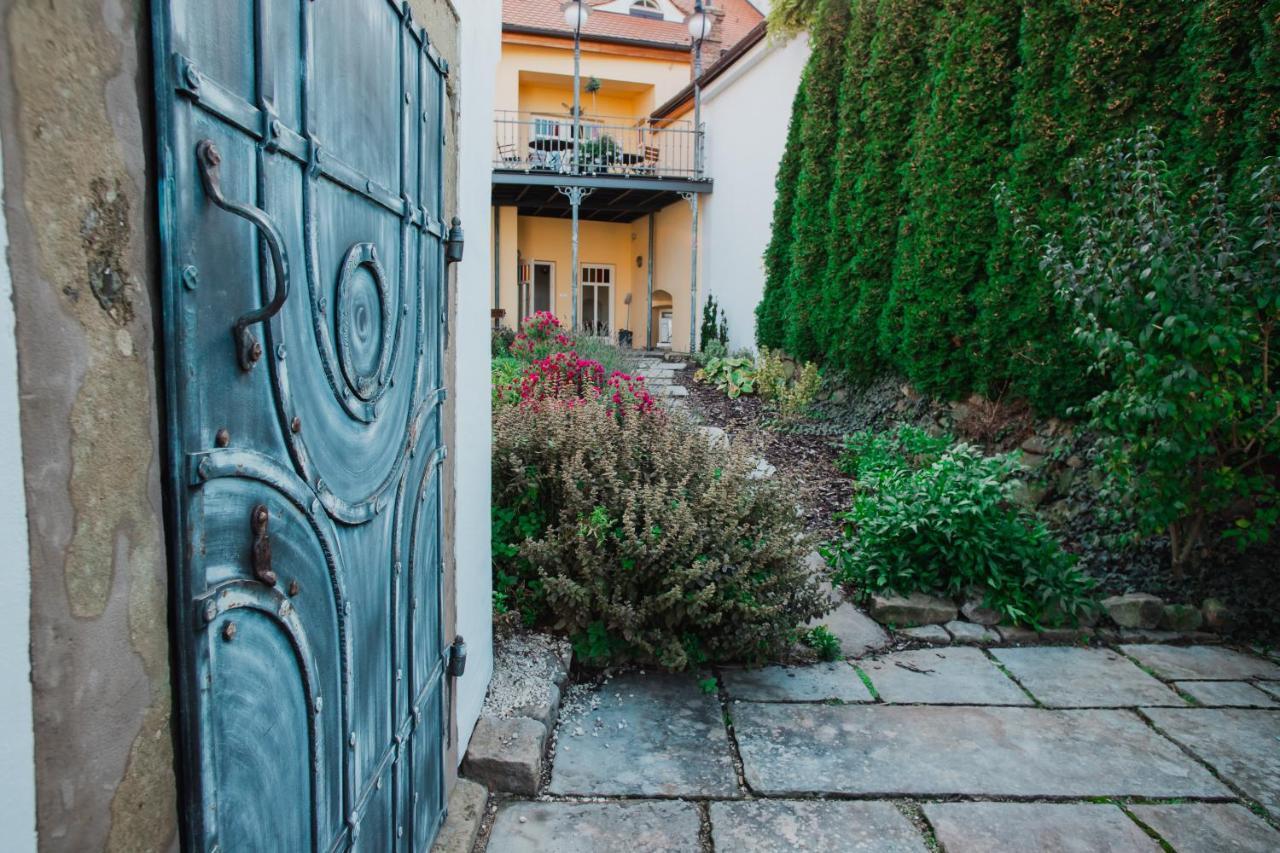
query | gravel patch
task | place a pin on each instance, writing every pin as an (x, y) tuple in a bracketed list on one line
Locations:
[(526, 665)]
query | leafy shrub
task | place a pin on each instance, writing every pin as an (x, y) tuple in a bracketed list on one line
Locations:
[(733, 375), (790, 398), (645, 542), (505, 374), (937, 517), (500, 340), (612, 358), (540, 335), (821, 640), (715, 324), (710, 349), (1177, 308)]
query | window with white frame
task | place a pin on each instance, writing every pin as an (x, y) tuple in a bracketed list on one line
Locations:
[(646, 9), (597, 299)]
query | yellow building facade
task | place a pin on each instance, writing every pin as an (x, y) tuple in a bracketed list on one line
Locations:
[(636, 177)]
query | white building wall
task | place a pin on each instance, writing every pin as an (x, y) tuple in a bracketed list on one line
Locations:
[(480, 49), (746, 111), (17, 745)]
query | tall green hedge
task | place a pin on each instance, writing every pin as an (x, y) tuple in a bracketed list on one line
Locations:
[(889, 252), (835, 297), (772, 311), (819, 132)]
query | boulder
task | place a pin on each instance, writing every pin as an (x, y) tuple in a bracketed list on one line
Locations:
[(505, 754), (911, 610), (1217, 616), (1182, 618), (972, 634), (1134, 610), (975, 611)]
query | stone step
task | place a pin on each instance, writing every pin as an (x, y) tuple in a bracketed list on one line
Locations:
[(505, 754)]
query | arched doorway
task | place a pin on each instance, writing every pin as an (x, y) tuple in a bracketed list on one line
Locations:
[(661, 321)]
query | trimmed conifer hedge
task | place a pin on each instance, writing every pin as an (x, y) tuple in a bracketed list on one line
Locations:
[(888, 252)]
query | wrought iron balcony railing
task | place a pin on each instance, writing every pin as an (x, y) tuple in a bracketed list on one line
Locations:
[(529, 142)]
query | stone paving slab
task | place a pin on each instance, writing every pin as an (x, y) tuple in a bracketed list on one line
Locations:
[(1227, 694), (462, 824), (1211, 663), (1210, 828), (888, 750), (1036, 827), (953, 676), (820, 682), (619, 827), (1243, 745), (830, 826), (1070, 677), (654, 735), (857, 632)]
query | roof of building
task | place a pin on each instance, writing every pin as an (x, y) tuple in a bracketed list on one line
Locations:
[(546, 17)]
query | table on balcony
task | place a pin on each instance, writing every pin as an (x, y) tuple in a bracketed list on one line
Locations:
[(550, 153)]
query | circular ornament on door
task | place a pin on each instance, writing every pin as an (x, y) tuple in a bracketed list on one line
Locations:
[(365, 323)]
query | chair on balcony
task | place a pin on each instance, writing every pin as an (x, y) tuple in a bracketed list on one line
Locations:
[(509, 156), (649, 162)]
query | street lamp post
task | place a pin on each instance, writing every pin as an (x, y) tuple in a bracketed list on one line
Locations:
[(699, 23), (575, 15)]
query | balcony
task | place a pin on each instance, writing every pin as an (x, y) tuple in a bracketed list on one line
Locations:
[(632, 166)]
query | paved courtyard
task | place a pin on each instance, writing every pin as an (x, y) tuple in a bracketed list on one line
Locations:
[(963, 749)]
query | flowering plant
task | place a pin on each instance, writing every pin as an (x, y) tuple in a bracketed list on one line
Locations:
[(570, 379), (540, 335)]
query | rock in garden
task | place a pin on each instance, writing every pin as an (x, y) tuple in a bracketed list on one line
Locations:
[(974, 611), (933, 634), (716, 437), (1181, 617), (970, 633), (909, 611), (1134, 610), (506, 754), (1217, 616)]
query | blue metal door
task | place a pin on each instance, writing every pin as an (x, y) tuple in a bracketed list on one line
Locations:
[(301, 145)]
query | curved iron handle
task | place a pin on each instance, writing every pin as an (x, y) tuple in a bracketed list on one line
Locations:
[(247, 347)]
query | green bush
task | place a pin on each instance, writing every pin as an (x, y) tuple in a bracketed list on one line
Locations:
[(715, 325), (933, 516), (866, 208), (1178, 307), (824, 643), (818, 134), (771, 313), (959, 149), (645, 541), (500, 340), (734, 376), (505, 375), (886, 255)]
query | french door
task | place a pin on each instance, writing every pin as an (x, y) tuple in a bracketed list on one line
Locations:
[(597, 299)]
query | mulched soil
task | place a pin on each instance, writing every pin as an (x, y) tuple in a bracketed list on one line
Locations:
[(808, 461), (1247, 582)]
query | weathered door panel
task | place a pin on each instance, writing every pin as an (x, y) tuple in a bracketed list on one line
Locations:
[(301, 153)]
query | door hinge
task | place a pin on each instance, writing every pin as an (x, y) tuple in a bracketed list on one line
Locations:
[(261, 553), (457, 663), (453, 244)]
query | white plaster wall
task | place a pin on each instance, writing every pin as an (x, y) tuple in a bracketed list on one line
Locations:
[(17, 744), (746, 112), (480, 51)]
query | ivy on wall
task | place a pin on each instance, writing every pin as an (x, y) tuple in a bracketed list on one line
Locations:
[(888, 252)]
